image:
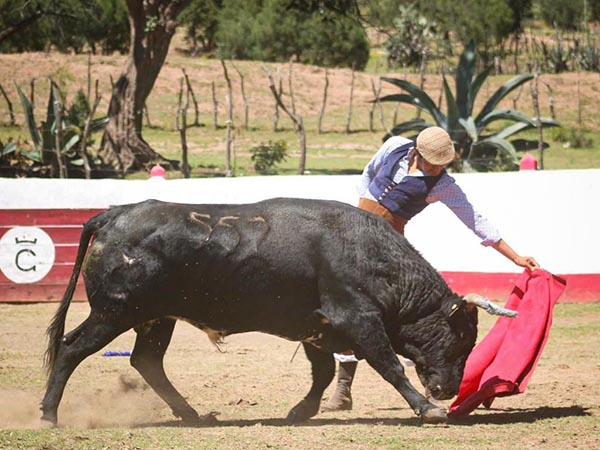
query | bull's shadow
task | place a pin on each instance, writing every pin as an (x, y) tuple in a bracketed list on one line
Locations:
[(282, 422), (495, 416), (500, 416)]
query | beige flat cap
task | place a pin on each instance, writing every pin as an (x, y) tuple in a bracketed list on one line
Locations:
[(435, 146)]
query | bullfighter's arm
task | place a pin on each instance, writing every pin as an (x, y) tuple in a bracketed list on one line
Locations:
[(455, 199)]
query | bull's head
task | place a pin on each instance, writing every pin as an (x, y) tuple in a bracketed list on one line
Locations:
[(440, 343)]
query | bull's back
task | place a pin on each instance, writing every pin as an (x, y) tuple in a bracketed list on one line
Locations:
[(219, 263)]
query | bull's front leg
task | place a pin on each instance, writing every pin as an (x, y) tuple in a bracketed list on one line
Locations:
[(368, 333)]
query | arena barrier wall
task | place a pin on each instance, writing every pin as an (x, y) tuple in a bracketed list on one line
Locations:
[(551, 215)]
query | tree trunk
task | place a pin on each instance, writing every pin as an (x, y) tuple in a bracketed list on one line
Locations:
[(152, 26)]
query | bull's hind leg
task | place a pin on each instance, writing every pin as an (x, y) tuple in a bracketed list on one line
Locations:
[(87, 338), (323, 370), (152, 341)]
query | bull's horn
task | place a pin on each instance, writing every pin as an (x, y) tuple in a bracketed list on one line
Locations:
[(491, 308)]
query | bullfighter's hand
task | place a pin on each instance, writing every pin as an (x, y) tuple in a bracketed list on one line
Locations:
[(527, 262)]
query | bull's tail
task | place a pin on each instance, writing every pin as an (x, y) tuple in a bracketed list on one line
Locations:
[(56, 329)]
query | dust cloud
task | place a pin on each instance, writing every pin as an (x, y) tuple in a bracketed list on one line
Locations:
[(123, 402)]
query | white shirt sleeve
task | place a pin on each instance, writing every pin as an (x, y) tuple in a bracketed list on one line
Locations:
[(373, 166), (451, 195)]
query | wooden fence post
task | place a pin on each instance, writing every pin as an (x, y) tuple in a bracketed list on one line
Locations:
[(322, 111), (182, 107), (536, 109), (10, 106), (86, 131), (215, 106), (32, 95), (291, 87), (190, 92), (351, 100), (422, 69), (62, 169), (297, 120), (244, 98), (229, 101)]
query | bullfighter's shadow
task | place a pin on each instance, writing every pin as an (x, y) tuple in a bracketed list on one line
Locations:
[(492, 416)]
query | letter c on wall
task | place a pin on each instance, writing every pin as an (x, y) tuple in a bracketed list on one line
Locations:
[(26, 254)]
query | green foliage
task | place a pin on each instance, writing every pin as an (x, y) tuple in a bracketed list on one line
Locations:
[(67, 25), (556, 56), (79, 110), (266, 156), (573, 137), (478, 147), (333, 41), (568, 15), (587, 55), (485, 22), (17, 158), (108, 27), (272, 31), (42, 153), (200, 21), (410, 37)]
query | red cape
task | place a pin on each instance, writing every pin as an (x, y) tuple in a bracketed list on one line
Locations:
[(503, 362)]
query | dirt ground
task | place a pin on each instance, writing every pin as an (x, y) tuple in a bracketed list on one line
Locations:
[(252, 382)]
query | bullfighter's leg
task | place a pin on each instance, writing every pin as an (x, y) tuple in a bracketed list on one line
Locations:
[(367, 331), (323, 370), (151, 343), (86, 339)]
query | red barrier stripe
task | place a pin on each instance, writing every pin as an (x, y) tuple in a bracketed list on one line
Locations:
[(64, 227), (21, 293), (59, 274), (60, 235), (581, 288), (40, 217)]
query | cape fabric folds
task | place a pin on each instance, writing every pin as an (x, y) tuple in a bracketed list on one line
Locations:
[(503, 362)]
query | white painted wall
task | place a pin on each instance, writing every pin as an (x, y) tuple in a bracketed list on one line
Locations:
[(551, 215)]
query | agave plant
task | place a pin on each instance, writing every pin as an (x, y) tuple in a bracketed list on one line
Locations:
[(70, 126), (17, 158), (479, 147)]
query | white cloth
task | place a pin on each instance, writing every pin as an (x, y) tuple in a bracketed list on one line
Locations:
[(345, 358)]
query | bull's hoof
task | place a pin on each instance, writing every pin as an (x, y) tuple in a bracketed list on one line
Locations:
[(48, 422), (193, 419), (434, 415), (303, 411), (209, 420)]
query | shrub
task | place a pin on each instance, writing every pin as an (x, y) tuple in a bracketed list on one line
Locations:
[(572, 137), (266, 156)]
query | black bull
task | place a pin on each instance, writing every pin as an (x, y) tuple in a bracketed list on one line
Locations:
[(320, 272)]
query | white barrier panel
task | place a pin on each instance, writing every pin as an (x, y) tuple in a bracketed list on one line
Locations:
[(551, 215)]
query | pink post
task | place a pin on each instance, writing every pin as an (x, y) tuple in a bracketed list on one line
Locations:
[(158, 172), (528, 162)]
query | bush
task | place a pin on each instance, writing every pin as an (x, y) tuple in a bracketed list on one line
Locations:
[(272, 31), (572, 137), (567, 15), (411, 35), (266, 156)]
